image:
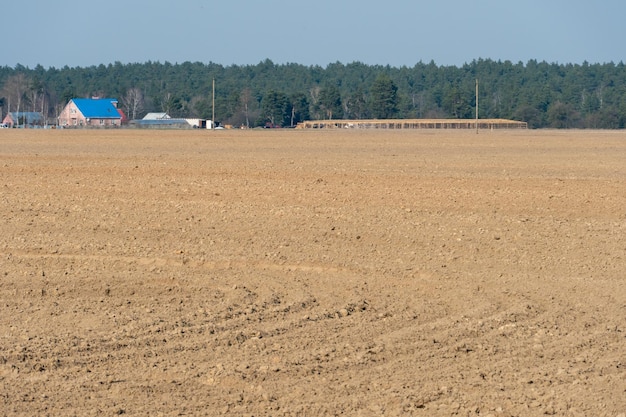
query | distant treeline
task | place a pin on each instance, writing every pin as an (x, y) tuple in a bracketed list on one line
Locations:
[(542, 94)]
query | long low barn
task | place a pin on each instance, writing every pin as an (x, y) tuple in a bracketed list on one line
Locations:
[(414, 124)]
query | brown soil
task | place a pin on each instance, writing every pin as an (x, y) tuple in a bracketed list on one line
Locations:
[(309, 273)]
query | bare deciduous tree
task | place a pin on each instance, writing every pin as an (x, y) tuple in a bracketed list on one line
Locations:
[(315, 98), (133, 102), (14, 90), (171, 105), (246, 97), (38, 97)]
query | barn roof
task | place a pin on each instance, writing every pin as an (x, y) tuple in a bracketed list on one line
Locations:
[(100, 108), (156, 116), (162, 122), (30, 117)]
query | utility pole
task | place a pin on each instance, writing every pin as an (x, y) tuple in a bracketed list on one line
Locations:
[(213, 107), (476, 105)]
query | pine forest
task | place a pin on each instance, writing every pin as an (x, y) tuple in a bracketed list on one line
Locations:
[(545, 95)]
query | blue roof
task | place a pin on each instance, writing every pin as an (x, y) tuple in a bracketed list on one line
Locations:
[(100, 108)]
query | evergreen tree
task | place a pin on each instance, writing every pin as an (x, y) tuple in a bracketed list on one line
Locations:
[(330, 102), (299, 108), (384, 98), (356, 105), (276, 109)]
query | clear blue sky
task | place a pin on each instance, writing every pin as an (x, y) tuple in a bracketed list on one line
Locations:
[(315, 32)]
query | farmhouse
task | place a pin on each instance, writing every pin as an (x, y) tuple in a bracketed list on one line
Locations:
[(94, 112), (23, 118)]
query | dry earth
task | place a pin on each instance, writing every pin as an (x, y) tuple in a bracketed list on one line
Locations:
[(309, 273)]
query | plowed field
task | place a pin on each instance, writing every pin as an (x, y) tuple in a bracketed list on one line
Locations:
[(310, 273)]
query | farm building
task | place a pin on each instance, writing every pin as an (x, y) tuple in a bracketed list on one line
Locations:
[(24, 118), (414, 124), (164, 121), (91, 112)]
